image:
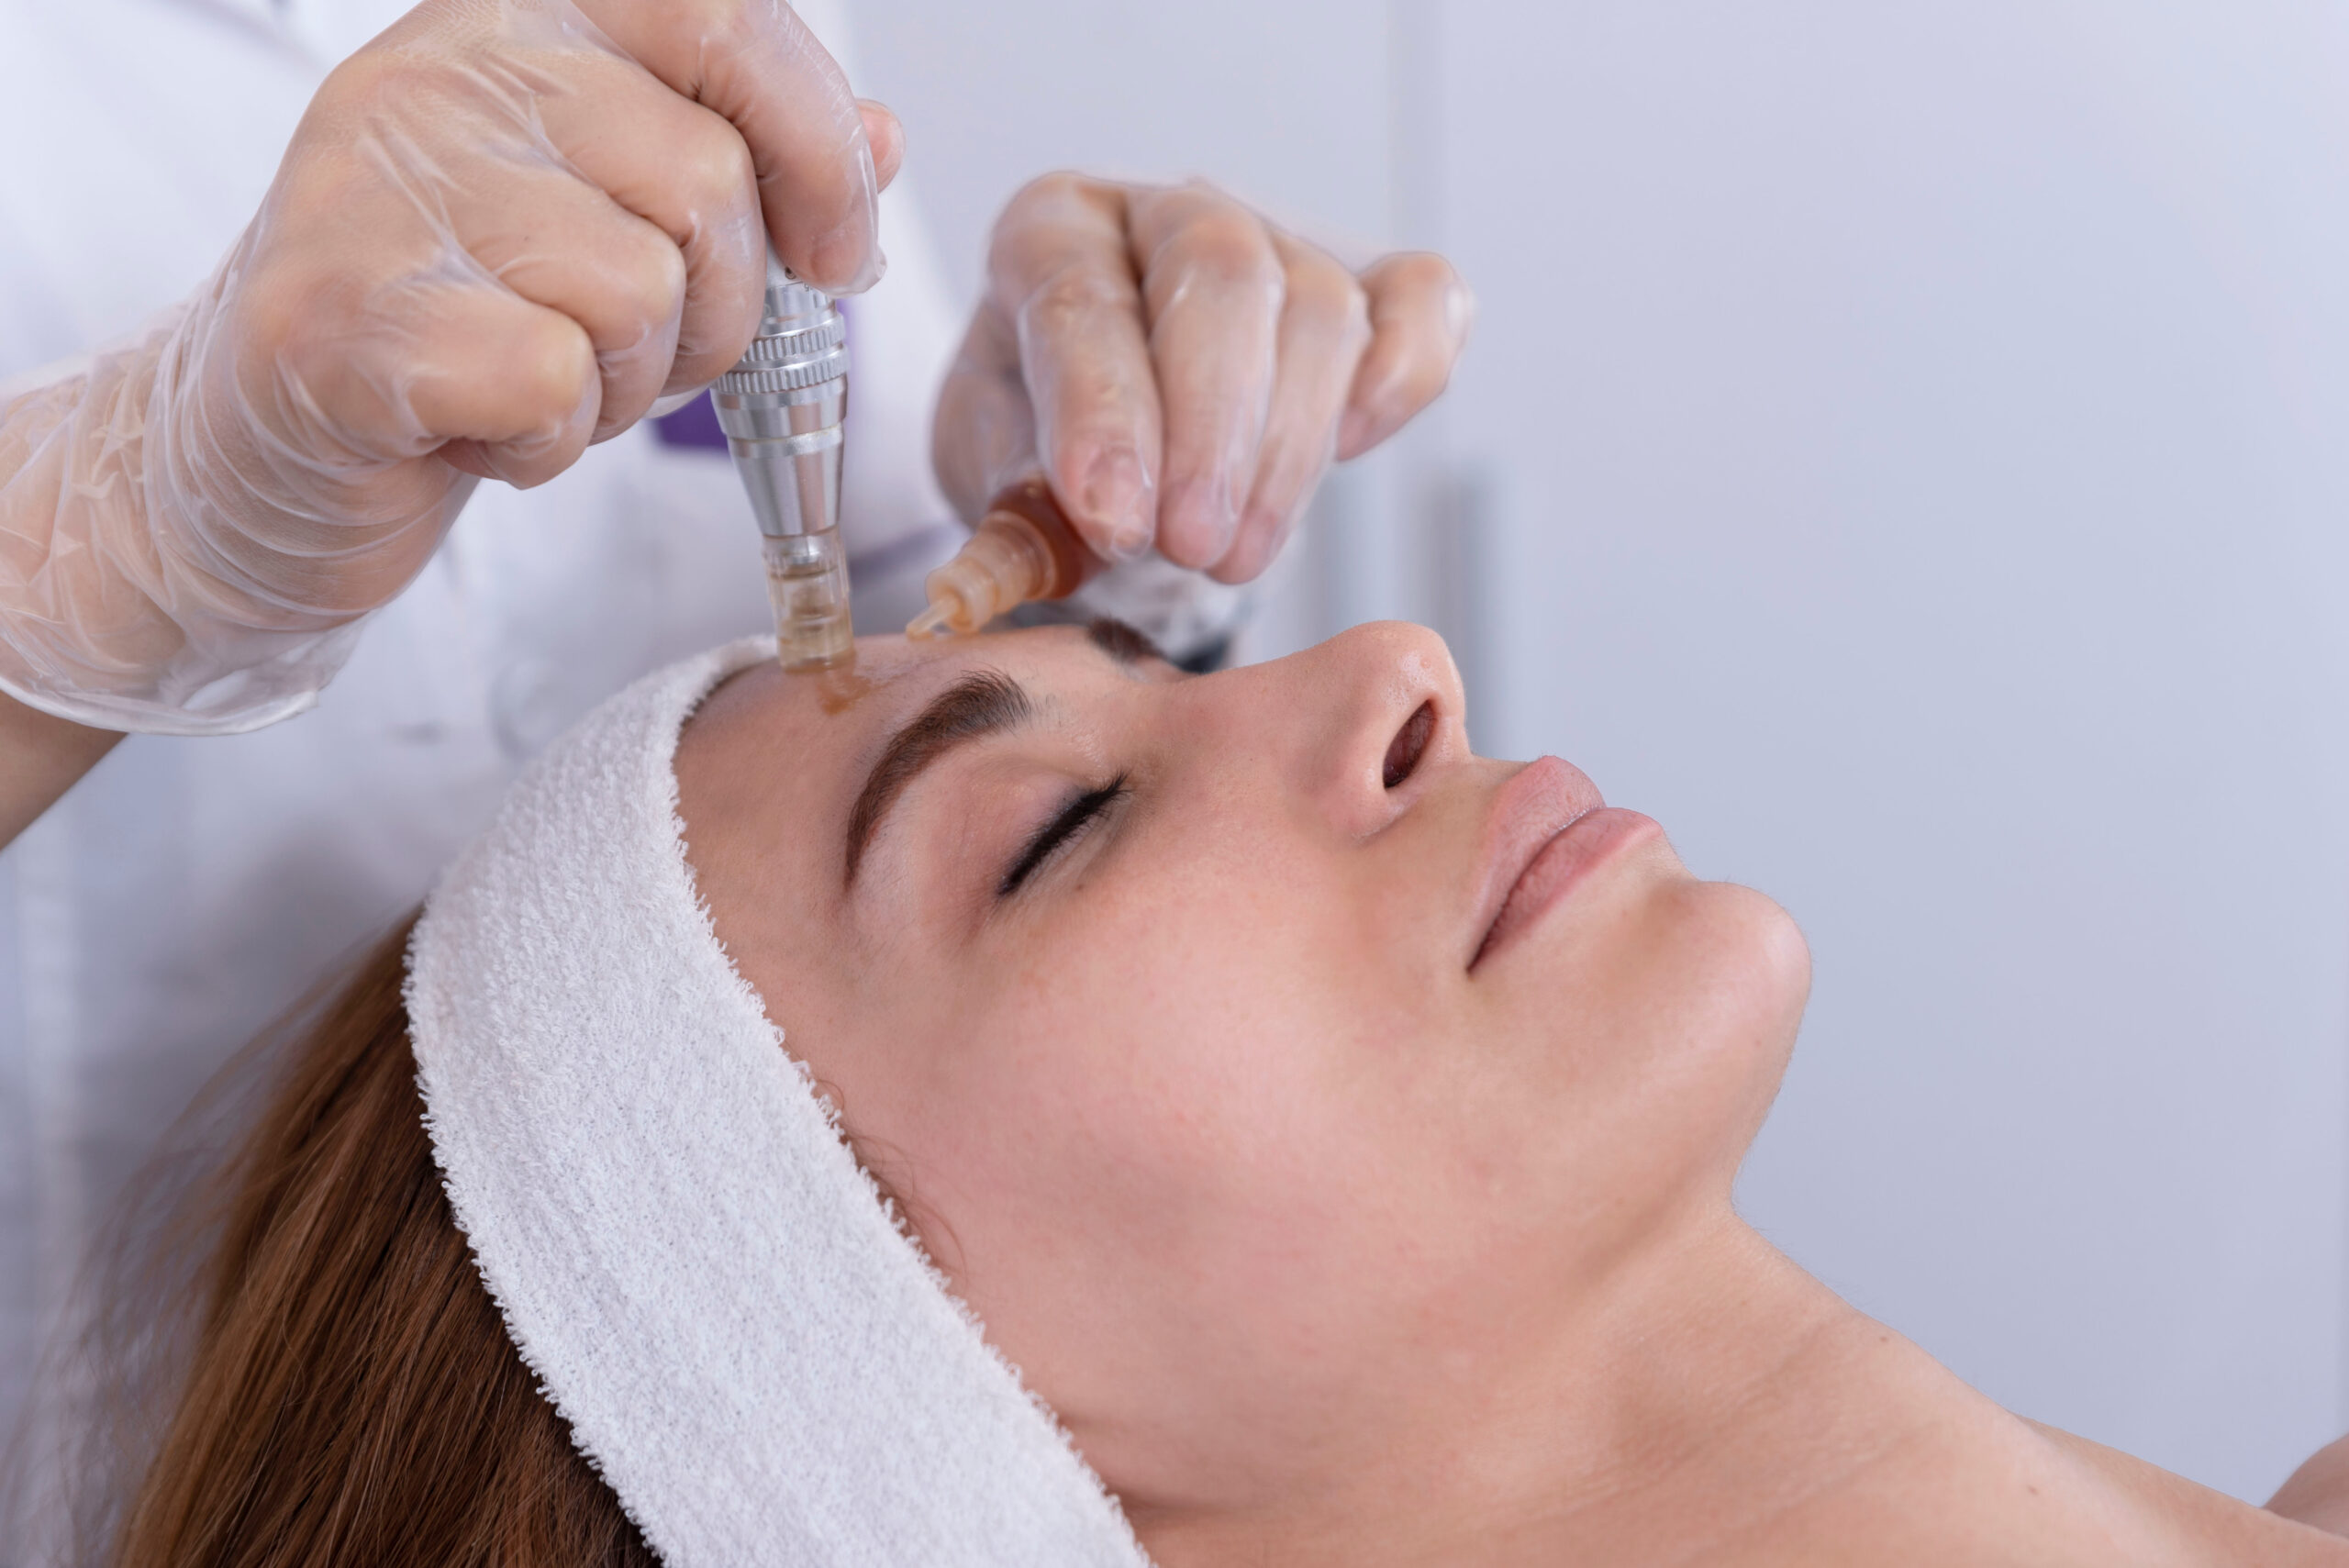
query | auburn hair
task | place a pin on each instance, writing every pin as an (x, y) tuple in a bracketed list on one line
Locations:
[(350, 1395)]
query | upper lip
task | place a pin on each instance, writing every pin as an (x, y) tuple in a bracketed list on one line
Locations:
[(1540, 801)]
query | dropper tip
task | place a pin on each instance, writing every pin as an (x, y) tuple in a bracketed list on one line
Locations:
[(935, 621)]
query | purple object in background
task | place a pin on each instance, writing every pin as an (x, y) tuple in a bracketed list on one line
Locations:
[(695, 426)]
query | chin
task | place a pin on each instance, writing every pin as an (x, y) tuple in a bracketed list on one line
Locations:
[(1655, 1030), (1752, 974), (1697, 989), (1765, 950)]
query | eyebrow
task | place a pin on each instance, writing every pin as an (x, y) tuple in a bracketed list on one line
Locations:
[(1122, 642), (982, 703)]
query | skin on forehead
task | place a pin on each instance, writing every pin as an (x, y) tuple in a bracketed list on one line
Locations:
[(767, 737), (769, 766), (889, 680)]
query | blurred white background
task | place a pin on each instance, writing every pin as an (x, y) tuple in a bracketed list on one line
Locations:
[(1906, 450)]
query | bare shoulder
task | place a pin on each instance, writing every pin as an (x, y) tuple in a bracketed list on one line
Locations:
[(2225, 1530), (2318, 1492)]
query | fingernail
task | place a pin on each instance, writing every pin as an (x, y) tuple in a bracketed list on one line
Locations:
[(1200, 521), (833, 251), (1266, 533), (1111, 499), (1132, 542), (858, 235), (1459, 311)]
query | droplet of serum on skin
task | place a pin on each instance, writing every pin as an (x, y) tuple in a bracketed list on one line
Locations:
[(840, 688)]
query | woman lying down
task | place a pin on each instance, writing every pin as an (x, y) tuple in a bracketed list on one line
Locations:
[(1024, 1104)]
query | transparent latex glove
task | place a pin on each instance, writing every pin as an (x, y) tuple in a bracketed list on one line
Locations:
[(502, 231), (1182, 371)]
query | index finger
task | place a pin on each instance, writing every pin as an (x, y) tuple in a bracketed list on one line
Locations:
[(1060, 271), (1420, 316), (759, 65)]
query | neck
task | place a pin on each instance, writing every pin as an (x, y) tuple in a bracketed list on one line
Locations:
[(1717, 1404)]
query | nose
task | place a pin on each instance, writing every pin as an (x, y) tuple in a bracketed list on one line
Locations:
[(1362, 721)]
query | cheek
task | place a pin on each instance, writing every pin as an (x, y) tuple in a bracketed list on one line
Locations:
[(1165, 1117), (1168, 1043)]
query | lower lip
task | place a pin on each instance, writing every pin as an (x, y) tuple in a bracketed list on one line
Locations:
[(1589, 842)]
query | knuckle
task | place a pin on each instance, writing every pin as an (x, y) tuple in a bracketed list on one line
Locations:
[(556, 365), (714, 171), (655, 283), (1071, 296), (1228, 247), (369, 78), (1329, 293), (1041, 210), (1420, 273), (1046, 192), (390, 85)]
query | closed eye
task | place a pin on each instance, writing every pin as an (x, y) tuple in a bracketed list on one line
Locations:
[(1055, 835)]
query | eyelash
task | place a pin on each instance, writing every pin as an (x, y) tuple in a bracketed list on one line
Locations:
[(1055, 835)]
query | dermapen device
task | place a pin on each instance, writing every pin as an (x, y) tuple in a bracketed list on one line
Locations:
[(782, 406)]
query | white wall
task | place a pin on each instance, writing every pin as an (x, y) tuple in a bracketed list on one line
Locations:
[(1284, 102), (1922, 432), (1913, 441)]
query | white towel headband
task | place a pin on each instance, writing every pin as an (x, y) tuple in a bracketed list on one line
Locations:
[(709, 1287)]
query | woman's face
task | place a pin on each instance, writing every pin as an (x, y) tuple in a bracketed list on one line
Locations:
[(1261, 1066)]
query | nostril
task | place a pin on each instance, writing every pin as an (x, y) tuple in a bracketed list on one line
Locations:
[(1410, 744)]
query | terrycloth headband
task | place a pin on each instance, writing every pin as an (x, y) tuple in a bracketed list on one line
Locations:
[(710, 1290)]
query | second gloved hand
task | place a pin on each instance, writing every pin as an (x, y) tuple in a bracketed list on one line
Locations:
[(1181, 371)]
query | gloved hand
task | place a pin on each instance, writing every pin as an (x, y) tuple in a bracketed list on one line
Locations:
[(1180, 370), (502, 231)]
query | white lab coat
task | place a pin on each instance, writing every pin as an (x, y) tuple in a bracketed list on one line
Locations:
[(189, 890)]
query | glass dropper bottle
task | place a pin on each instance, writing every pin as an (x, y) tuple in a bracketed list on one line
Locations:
[(1023, 549)]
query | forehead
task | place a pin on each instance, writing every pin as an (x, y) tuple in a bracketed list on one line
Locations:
[(833, 717)]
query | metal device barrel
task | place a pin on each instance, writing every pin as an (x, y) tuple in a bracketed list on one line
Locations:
[(781, 408)]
